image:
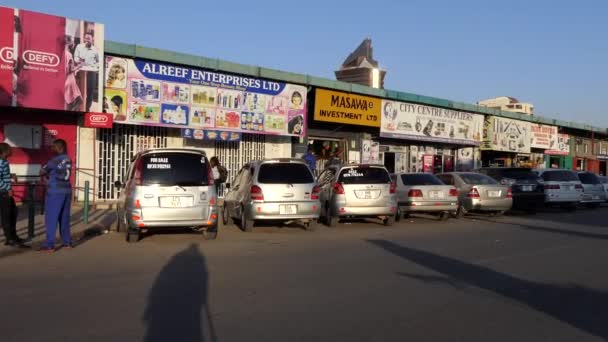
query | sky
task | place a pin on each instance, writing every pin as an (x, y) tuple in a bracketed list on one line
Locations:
[(551, 53)]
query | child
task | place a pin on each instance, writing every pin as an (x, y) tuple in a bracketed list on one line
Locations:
[(296, 100)]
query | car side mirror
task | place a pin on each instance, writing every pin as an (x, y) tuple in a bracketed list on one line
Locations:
[(227, 185), (118, 184)]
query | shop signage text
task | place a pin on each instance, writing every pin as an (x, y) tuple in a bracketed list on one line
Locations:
[(199, 134), (339, 107), (543, 136), (98, 120)]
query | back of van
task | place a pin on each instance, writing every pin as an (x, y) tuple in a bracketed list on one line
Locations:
[(171, 188)]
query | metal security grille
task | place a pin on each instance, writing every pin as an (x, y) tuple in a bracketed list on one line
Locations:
[(233, 155), (115, 149)]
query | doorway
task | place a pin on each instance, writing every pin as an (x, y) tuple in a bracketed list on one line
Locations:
[(389, 161)]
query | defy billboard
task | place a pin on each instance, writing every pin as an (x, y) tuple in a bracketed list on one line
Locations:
[(50, 62)]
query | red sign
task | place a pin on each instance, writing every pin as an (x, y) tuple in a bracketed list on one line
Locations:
[(428, 163), (98, 120)]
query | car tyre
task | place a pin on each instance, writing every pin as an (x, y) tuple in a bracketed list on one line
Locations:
[(246, 225), (133, 236), (210, 233), (444, 216), (119, 221), (226, 218), (389, 221), (311, 225), (460, 212), (398, 216), (330, 220)]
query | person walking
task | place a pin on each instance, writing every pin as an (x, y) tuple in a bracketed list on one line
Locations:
[(220, 174), (311, 159), (58, 202), (8, 209)]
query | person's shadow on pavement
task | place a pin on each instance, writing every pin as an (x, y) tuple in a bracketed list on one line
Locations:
[(177, 305)]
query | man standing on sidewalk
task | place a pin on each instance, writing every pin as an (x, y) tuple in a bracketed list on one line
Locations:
[(58, 200), (8, 209)]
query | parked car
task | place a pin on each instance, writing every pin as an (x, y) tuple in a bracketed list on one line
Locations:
[(593, 190), (281, 190), (478, 192), (526, 186), (604, 181), (424, 193), (562, 188), (169, 188), (357, 191)]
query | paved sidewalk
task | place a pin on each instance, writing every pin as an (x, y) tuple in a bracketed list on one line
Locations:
[(100, 220)]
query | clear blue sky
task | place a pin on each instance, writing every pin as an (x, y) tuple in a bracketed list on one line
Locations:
[(551, 53)]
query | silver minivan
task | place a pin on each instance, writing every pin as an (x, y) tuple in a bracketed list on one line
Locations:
[(357, 190), (562, 187), (168, 188), (273, 190), (593, 190)]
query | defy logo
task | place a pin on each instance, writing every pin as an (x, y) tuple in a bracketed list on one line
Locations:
[(6, 54), (40, 58), (98, 118)]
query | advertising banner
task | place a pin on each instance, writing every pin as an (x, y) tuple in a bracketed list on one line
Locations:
[(200, 134), (543, 136), (508, 135), (50, 62), (562, 148), (419, 122), (98, 120), (141, 92), (428, 163), (345, 108), (465, 159)]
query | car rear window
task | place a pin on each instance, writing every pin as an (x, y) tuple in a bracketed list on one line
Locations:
[(285, 173), (559, 176), (364, 175), (519, 174), (477, 179), (588, 178), (420, 179), (183, 169)]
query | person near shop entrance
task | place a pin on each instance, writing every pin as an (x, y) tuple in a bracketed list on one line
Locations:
[(335, 158), (8, 209), (220, 174), (311, 159), (58, 199)]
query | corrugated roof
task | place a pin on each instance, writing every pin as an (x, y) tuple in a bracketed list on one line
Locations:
[(136, 51)]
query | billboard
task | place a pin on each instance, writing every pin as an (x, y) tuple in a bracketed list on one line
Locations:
[(562, 148), (508, 135), (419, 122), (140, 92), (543, 136), (50, 62), (345, 108)]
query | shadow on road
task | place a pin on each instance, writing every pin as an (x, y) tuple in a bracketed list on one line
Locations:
[(580, 307), (177, 305)]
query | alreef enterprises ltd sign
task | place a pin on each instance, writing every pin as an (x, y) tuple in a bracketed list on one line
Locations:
[(345, 108), (419, 122), (508, 135)]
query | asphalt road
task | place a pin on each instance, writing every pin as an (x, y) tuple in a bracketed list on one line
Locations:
[(514, 278)]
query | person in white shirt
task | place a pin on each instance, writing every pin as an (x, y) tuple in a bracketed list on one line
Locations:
[(87, 57)]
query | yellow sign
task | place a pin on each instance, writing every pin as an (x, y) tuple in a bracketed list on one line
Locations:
[(339, 107)]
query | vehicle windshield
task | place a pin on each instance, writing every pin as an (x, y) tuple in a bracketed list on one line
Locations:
[(588, 178), (559, 176), (285, 173), (364, 175), (182, 169), (420, 179), (477, 179)]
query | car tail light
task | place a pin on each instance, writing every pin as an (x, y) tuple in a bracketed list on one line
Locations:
[(315, 193), (138, 174), (552, 187), (338, 189), (256, 193), (212, 200), (210, 181), (393, 187), (414, 193), (509, 193), (579, 187), (474, 193), (453, 192)]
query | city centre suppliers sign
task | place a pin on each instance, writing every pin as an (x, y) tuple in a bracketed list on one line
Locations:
[(543, 136), (413, 121), (50, 62), (141, 92), (345, 108), (562, 148), (508, 135)]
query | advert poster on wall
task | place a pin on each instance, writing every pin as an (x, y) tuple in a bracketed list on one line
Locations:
[(147, 93), (543, 136), (414, 121), (508, 135), (50, 62), (562, 148)]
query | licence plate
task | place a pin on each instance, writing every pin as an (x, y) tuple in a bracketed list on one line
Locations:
[(367, 194), (175, 201), (596, 197), (527, 188), (568, 187), (436, 194), (495, 193), (288, 209)]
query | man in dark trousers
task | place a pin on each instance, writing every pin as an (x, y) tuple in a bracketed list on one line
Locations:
[(58, 200), (8, 209)]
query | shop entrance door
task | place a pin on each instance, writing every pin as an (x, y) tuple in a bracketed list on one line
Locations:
[(116, 147), (389, 161)]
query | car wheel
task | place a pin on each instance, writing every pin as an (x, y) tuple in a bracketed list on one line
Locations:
[(311, 225), (398, 215), (226, 218), (389, 221), (210, 233), (460, 212), (133, 236), (119, 222), (246, 225), (499, 213), (330, 220), (444, 216)]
